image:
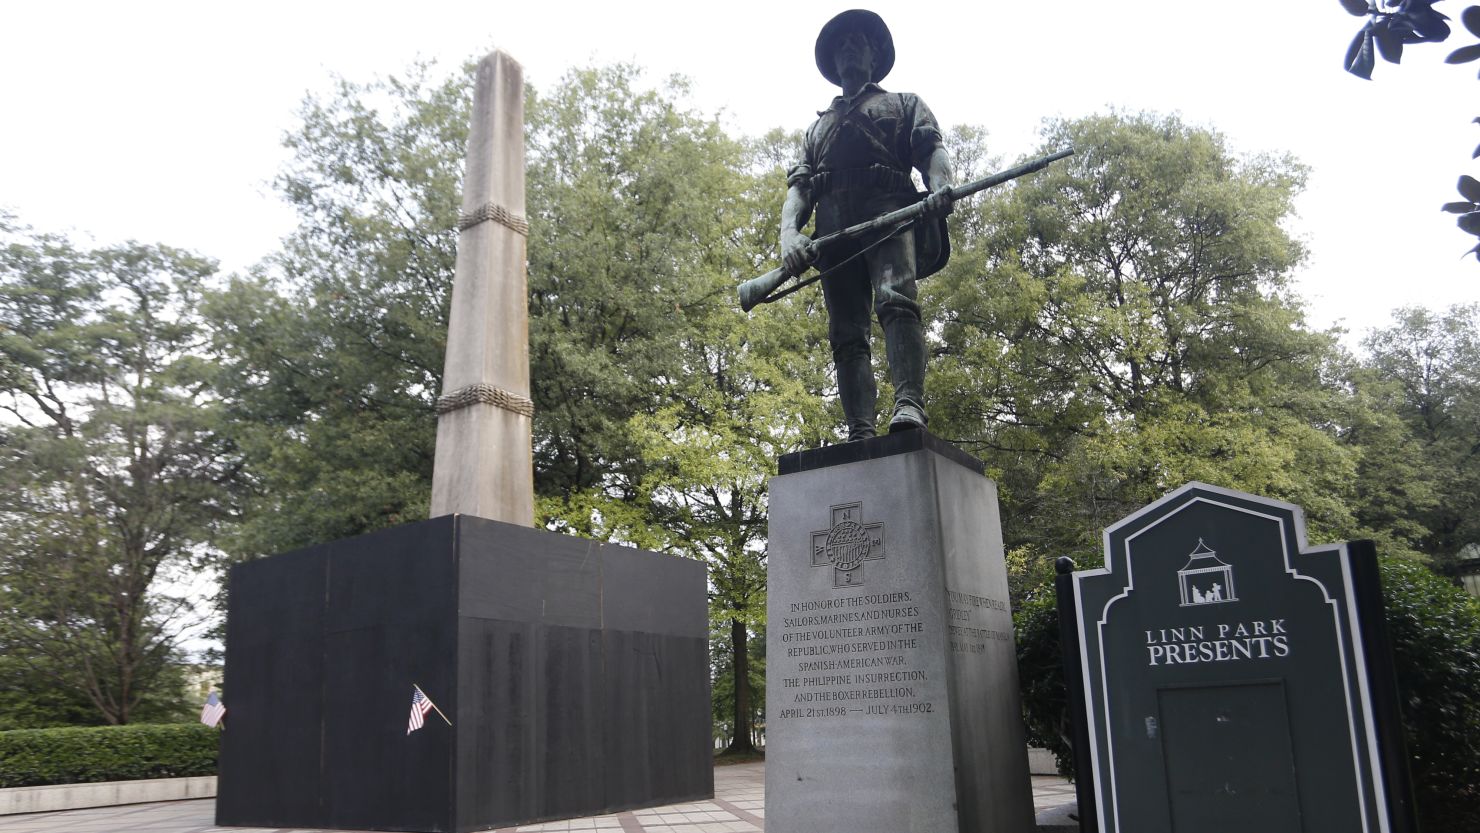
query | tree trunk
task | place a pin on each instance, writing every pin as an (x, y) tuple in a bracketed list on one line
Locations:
[(740, 744)]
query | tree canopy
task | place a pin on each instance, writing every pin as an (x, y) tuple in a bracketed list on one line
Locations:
[(1424, 370), (659, 408), (1107, 330), (1122, 323), (114, 472)]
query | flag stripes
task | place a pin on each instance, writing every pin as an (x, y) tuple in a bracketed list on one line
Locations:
[(420, 705), (213, 710)]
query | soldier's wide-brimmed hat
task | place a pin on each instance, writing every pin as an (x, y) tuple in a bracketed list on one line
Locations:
[(855, 20)]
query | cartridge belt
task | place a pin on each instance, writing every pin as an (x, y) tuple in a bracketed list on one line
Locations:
[(874, 177)]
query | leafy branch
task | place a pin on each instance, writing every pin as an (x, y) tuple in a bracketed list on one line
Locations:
[(1389, 27)]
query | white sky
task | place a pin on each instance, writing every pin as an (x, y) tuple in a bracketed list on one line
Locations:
[(162, 121)]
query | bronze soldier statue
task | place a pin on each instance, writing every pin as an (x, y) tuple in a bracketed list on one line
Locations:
[(856, 166)]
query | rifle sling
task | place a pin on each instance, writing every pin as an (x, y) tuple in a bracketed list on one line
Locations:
[(776, 296)]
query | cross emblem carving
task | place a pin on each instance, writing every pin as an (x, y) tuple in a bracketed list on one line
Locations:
[(847, 544)]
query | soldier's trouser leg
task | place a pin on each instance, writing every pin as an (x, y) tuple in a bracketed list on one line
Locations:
[(846, 294), (892, 267)]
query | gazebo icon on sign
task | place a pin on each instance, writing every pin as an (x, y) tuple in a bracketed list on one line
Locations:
[(1206, 579)]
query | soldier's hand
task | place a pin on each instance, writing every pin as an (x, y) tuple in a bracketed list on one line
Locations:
[(939, 203), (797, 252)]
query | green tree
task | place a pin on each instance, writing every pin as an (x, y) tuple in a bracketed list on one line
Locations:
[(113, 475), (31, 698), (741, 393), (1395, 488), (649, 390), (332, 351), (1122, 323), (638, 207), (723, 699), (1425, 370), (712, 398)]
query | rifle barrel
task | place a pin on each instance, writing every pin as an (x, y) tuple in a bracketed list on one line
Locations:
[(959, 192), (1000, 177), (759, 290)]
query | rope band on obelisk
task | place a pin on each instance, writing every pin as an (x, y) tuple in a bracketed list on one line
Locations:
[(487, 395), (497, 213)]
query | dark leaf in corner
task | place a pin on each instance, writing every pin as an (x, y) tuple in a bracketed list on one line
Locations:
[(1469, 188), (1416, 22), (1359, 56), (1464, 54), (1389, 45), (1356, 7), (1459, 207), (1471, 223), (1471, 19)]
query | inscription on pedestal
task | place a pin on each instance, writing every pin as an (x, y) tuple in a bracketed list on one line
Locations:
[(853, 656), (859, 655), (976, 621)]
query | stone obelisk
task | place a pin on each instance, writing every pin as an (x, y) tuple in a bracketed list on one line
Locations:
[(484, 464)]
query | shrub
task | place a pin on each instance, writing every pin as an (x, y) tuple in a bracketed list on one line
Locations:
[(1435, 632), (1041, 675), (83, 754)]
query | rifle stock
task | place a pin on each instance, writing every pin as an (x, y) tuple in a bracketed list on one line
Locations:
[(757, 291)]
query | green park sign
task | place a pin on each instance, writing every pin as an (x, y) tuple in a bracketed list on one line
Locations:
[(1231, 678)]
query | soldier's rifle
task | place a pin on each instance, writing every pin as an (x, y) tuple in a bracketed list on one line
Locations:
[(763, 290)]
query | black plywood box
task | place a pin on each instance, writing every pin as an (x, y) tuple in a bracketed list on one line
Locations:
[(575, 673)]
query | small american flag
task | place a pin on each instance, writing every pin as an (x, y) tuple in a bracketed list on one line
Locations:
[(420, 705), (212, 712)]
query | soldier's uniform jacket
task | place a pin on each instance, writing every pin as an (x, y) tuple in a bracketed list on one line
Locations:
[(856, 162)]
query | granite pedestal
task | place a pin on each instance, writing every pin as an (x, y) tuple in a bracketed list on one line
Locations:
[(891, 694), (575, 674)]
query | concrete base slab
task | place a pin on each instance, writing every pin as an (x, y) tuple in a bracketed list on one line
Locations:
[(738, 806), (1061, 819), (56, 797)]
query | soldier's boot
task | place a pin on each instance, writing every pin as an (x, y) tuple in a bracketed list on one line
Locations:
[(905, 344), (858, 394)]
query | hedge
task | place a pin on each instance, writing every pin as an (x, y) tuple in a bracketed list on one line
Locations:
[(1435, 630), (1041, 676), (85, 754)]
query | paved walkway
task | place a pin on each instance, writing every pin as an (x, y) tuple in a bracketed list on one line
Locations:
[(738, 806)]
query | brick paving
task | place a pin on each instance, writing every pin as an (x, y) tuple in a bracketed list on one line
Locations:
[(738, 806)]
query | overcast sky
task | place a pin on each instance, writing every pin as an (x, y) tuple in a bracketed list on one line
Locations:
[(162, 121)]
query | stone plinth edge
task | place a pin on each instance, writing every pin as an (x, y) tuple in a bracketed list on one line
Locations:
[(900, 442)]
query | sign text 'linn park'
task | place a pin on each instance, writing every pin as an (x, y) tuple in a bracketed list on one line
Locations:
[(1262, 639)]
